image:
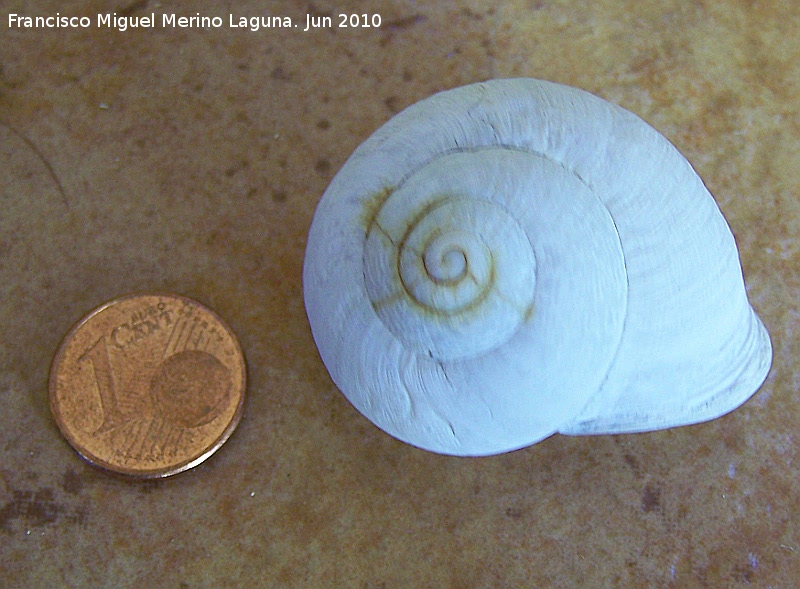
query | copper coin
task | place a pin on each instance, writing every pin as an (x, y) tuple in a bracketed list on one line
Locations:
[(148, 385)]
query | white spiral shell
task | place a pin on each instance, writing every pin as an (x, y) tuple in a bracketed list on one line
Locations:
[(516, 258)]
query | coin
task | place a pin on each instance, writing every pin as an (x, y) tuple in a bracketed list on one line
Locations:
[(148, 385)]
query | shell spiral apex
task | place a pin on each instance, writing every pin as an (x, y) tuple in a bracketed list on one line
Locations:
[(516, 258)]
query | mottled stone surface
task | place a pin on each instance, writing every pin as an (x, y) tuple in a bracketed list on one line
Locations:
[(192, 160)]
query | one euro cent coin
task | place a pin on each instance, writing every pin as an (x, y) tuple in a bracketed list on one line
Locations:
[(148, 385)]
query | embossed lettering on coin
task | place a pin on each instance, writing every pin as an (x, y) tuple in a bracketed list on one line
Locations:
[(148, 385)]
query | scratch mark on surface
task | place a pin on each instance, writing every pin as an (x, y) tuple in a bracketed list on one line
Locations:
[(32, 146)]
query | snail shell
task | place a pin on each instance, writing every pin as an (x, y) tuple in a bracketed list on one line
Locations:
[(516, 258)]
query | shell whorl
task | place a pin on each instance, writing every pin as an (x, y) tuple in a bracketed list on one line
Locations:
[(510, 259), (450, 256), (485, 268)]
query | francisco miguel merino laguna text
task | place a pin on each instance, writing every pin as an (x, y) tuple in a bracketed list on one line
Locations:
[(253, 23)]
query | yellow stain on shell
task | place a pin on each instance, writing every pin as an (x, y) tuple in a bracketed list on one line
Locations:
[(372, 206)]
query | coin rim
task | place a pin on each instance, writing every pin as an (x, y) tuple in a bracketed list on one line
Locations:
[(157, 472)]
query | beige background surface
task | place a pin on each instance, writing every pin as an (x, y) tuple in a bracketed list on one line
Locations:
[(192, 160)]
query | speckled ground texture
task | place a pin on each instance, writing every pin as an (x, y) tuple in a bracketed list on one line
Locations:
[(191, 161)]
